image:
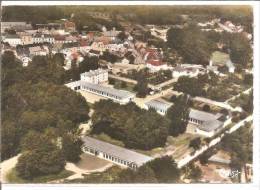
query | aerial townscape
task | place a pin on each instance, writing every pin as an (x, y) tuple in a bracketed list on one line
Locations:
[(127, 94)]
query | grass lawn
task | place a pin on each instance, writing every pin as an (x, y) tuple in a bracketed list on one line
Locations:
[(13, 177), (219, 58)]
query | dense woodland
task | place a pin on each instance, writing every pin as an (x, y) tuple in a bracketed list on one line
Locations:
[(138, 14), (40, 116), (138, 128)]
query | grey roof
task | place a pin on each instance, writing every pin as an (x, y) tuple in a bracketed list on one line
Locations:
[(159, 104), (12, 36), (113, 150), (210, 121), (111, 91), (211, 125), (93, 72), (203, 116)]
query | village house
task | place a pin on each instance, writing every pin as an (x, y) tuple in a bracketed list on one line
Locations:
[(190, 70), (153, 60), (15, 26), (69, 26), (12, 40), (26, 39), (112, 34), (41, 38), (38, 50)]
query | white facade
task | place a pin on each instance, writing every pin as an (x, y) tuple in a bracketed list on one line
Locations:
[(95, 77), (13, 41), (43, 38), (156, 68)]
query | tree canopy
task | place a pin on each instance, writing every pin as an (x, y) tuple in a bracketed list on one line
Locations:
[(137, 128)]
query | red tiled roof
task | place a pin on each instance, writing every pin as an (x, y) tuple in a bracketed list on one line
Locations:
[(69, 24), (155, 62)]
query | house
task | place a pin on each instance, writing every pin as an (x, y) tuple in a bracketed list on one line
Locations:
[(26, 39), (69, 26), (230, 27), (156, 65), (185, 71), (41, 38), (159, 105), (98, 46), (153, 60), (38, 50), (206, 124), (112, 34), (12, 40), (95, 76), (15, 26), (118, 155)]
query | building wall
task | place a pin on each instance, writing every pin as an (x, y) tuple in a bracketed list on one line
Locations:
[(96, 79), (112, 158), (104, 94)]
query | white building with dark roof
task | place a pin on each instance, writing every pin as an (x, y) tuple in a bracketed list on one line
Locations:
[(118, 155)]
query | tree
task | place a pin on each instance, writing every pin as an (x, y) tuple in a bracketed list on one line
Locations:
[(194, 172), (195, 143), (165, 169), (206, 108), (240, 49), (89, 63), (142, 88), (71, 147), (137, 128), (183, 39), (144, 174), (59, 59), (9, 139), (122, 36), (189, 86), (178, 115), (46, 158), (248, 79)]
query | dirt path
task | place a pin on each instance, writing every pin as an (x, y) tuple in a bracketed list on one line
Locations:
[(6, 166)]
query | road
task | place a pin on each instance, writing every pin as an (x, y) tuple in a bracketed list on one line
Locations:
[(234, 97), (7, 165), (189, 158)]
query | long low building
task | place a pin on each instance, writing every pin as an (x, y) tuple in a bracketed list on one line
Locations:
[(118, 155), (206, 124), (119, 96)]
